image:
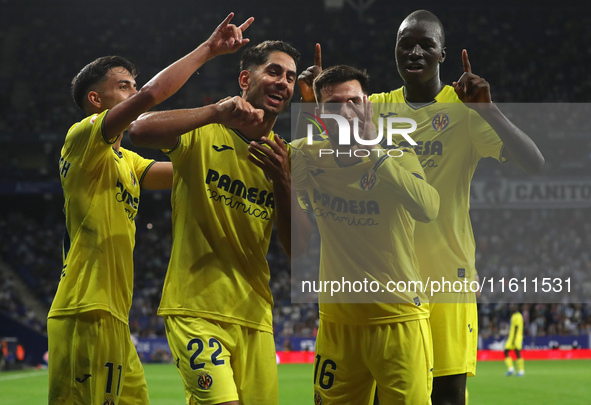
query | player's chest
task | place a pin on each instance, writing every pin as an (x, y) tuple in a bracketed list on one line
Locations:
[(354, 189), (224, 162), (441, 136)]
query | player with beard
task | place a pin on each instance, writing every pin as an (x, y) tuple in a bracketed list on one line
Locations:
[(92, 359), (231, 181)]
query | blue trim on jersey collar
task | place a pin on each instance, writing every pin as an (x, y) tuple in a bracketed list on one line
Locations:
[(417, 107), (248, 140), (243, 137)]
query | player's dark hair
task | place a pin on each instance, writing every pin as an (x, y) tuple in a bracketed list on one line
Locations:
[(259, 55), (96, 72), (340, 74), (427, 16)]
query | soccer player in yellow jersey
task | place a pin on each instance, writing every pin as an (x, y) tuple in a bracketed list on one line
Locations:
[(450, 144), (456, 126), (514, 342), (91, 357), (231, 181), (365, 200)]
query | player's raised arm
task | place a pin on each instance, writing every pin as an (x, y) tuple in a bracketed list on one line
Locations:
[(305, 82), (226, 38), (306, 78), (518, 146)]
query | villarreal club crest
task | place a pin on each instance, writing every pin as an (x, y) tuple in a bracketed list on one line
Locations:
[(204, 380), (368, 180), (317, 398), (440, 121)]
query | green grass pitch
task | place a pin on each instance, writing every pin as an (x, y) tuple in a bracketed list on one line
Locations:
[(545, 382)]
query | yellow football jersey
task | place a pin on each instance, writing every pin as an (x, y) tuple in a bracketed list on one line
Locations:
[(516, 330), (451, 138), (223, 212), (102, 194), (365, 214)]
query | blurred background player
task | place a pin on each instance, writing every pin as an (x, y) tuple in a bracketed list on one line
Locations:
[(384, 340), (231, 181), (91, 357), (514, 342)]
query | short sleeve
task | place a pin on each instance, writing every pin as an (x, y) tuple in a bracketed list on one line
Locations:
[(485, 140)]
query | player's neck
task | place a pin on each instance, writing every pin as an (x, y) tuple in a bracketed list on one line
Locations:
[(422, 92), (256, 132)]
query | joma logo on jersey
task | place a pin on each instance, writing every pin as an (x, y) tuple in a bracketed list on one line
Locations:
[(440, 121), (339, 204), (238, 188), (126, 197), (426, 148)]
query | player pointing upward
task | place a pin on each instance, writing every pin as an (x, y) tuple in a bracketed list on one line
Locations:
[(457, 126), (91, 357)]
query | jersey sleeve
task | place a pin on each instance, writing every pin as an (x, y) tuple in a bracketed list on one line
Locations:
[(183, 145), (485, 140), (140, 165), (84, 143)]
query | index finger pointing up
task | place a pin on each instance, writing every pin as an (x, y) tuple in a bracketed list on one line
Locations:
[(466, 62), (318, 56)]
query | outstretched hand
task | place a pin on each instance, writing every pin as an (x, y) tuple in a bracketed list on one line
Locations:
[(306, 78), (227, 38), (471, 88)]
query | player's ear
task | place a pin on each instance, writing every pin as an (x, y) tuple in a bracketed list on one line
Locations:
[(244, 80), (94, 99), (443, 54)]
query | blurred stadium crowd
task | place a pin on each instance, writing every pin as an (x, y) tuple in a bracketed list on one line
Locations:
[(528, 54), (522, 243)]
